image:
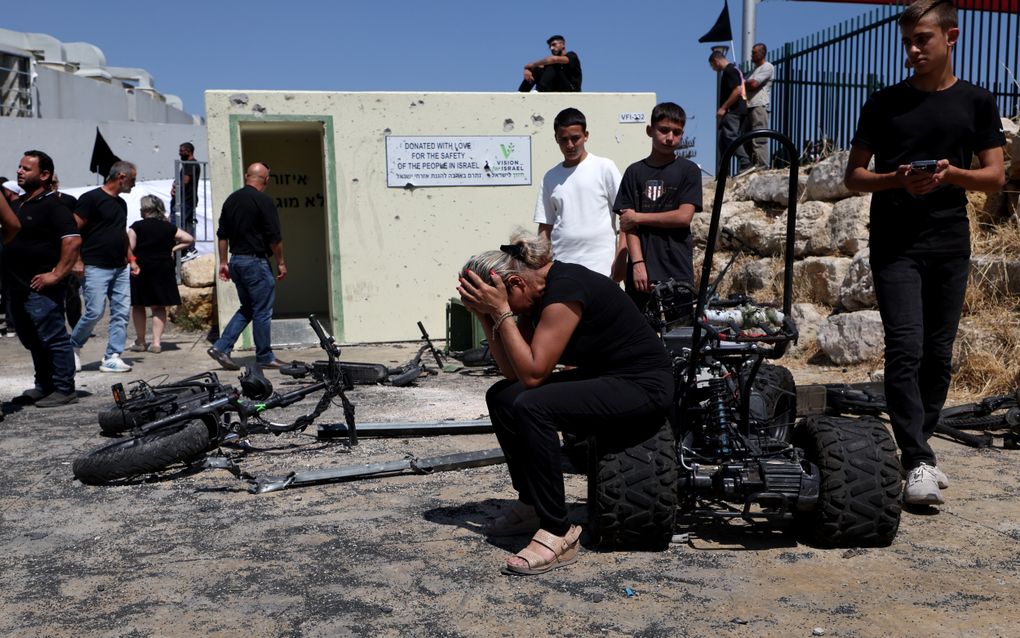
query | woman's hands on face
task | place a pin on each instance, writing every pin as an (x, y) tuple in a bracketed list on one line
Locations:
[(482, 298)]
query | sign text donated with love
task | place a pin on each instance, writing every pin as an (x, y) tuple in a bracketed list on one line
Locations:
[(423, 160)]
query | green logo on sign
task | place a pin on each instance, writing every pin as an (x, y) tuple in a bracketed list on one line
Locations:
[(507, 149)]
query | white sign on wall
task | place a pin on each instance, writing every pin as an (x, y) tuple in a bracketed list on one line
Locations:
[(425, 160)]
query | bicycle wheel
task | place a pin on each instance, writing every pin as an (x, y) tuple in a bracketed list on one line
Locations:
[(150, 452)]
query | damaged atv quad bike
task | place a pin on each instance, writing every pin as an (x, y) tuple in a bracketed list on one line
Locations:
[(733, 447), (196, 415)]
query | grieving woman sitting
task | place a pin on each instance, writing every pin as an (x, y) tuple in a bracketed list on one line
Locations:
[(537, 313)]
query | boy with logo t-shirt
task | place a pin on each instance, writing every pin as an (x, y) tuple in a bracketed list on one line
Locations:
[(575, 201), (922, 133), (656, 203)]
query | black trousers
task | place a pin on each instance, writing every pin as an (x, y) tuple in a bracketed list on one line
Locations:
[(920, 300), (526, 422)]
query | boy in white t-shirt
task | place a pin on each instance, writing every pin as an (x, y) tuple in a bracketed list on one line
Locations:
[(575, 202)]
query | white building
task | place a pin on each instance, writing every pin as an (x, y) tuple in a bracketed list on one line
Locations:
[(54, 95)]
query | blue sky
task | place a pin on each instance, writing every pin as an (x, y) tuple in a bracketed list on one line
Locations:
[(403, 45)]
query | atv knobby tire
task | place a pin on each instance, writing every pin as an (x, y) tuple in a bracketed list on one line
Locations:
[(859, 493), (143, 454), (773, 401), (632, 488)]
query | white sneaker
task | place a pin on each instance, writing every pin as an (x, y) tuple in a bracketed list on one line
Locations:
[(77, 359), (940, 478), (922, 487), (114, 363)]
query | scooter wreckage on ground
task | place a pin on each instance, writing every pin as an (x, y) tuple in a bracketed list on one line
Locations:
[(182, 421)]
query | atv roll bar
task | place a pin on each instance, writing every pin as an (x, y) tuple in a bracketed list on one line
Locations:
[(713, 236)]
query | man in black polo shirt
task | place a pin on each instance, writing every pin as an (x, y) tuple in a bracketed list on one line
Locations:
[(250, 225), (36, 261)]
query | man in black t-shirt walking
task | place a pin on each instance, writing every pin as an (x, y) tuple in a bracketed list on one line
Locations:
[(922, 134), (36, 261), (732, 107), (106, 264), (558, 72), (250, 226)]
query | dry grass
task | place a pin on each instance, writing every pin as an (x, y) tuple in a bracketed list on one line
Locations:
[(1000, 238), (989, 350)]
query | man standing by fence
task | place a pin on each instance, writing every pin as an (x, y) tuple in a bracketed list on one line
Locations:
[(922, 133), (732, 108), (187, 179), (759, 87)]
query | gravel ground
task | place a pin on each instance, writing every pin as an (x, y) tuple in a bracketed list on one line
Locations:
[(188, 553)]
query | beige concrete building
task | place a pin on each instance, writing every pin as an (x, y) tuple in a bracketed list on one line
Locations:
[(383, 196)]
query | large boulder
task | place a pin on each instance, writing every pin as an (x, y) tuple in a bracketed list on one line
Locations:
[(1012, 149), (812, 236), (808, 319), (767, 187), (817, 279), (197, 308), (857, 291), (754, 275), (853, 337), (730, 213), (995, 275), (848, 224), (826, 179), (753, 231), (200, 272)]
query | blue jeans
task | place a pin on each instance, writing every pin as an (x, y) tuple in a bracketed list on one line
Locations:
[(256, 290), (38, 319), (98, 285)]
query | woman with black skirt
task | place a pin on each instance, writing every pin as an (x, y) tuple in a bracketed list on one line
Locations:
[(154, 241)]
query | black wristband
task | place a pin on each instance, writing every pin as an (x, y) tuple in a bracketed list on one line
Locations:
[(639, 261)]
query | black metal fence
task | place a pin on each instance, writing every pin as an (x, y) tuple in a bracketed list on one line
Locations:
[(822, 81)]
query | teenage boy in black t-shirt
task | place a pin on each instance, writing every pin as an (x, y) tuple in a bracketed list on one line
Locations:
[(36, 261), (657, 199), (920, 243)]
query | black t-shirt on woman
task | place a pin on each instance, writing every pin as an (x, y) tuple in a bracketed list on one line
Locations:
[(613, 338), (901, 124)]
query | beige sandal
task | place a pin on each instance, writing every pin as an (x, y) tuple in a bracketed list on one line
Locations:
[(521, 519), (564, 547)]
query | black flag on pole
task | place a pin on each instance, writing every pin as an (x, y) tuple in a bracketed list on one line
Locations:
[(720, 31), (102, 157)]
